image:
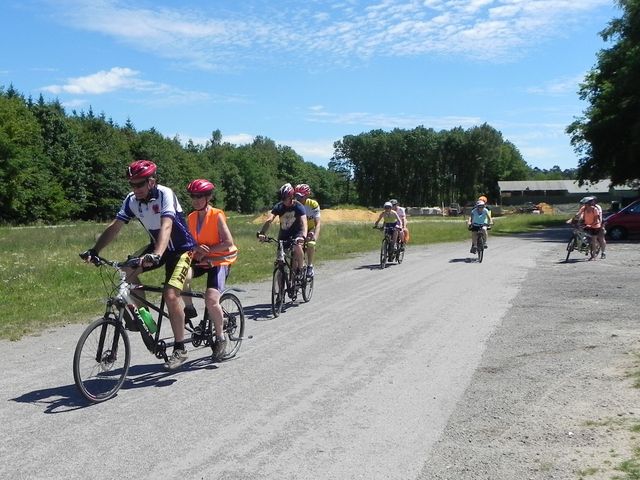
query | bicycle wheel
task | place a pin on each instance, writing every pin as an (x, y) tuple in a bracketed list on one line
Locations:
[(480, 249), (101, 359), (307, 288), (278, 291), (400, 254), (571, 246), (383, 252), (233, 316)]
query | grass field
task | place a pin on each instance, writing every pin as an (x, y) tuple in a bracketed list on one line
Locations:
[(44, 283)]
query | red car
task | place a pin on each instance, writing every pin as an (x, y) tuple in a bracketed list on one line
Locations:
[(624, 223)]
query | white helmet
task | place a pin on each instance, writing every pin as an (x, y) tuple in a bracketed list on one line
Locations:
[(480, 203), (387, 204)]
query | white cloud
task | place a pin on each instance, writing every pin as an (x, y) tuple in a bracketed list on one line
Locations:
[(127, 79), (331, 32), (98, 83), (559, 86), (387, 121)]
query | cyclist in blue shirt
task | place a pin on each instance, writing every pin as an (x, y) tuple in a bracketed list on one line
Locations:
[(157, 208)]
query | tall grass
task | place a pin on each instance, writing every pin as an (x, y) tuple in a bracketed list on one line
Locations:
[(44, 283)]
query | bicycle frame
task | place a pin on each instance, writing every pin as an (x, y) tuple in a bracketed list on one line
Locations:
[(285, 281)]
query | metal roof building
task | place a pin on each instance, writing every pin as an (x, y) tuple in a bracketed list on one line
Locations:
[(560, 191)]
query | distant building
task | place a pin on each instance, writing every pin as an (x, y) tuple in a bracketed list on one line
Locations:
[(561, 191)]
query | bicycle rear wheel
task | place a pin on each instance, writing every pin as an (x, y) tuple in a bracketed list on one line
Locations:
[(278, 291), (383, 252), (571, 246), (233, 317), (101, 359), (400, 254)]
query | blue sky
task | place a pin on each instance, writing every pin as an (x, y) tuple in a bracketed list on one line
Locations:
[(307, 73)]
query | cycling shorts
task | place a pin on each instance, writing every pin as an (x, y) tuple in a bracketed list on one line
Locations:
[(289, 236), (391, 227), (593, 231), (176, 266), (216, 275)]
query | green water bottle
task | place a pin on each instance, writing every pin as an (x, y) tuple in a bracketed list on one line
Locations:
[(147, 319)]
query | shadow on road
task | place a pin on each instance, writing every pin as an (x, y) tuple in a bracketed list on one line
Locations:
[(67, 398), (375, 266), (260, 311)]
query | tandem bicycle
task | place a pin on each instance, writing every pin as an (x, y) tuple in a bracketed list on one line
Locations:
[(103, 352)]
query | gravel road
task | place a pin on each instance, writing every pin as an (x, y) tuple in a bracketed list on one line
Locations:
[(439, 368)]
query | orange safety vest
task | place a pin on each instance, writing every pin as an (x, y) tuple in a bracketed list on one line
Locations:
[(209, 235)]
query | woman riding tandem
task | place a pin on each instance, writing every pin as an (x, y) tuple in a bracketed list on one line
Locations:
[(213, 255), (392, 222)]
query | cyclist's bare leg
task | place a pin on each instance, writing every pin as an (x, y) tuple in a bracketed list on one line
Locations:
[(175, 306), (474, 238), (298, 257), (212, 299), (188, 301), (594, 245), (394, 237), (311, 251), (133, 278), (602, 241)]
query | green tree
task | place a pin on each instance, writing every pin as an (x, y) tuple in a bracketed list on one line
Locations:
[(607, 136)]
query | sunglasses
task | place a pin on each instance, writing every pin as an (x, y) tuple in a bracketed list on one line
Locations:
[(197, 196), (138, 184)]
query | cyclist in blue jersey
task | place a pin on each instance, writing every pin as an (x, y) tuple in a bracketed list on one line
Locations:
[(479, 216), (293, 224), (157, 208)]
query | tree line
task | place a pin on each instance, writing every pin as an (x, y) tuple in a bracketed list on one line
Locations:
[(56, 166), (427, 167)]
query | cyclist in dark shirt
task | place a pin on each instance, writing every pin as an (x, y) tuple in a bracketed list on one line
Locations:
[(293, 223)]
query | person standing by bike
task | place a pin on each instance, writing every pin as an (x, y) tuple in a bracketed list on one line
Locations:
[(157, 208), (214, 254), (391, 221), (293, 224), (590, 216), (479, 216), (312, 209)]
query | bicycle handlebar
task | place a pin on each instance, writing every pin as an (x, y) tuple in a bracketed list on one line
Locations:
[(97, 260)]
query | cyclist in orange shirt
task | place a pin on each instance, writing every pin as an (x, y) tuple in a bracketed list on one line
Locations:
[(590, 215), (214, 254)]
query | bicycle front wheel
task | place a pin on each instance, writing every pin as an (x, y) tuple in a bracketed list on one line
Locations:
[(101, 359), (571, 246), (480, 249), (383, 252), (307, 288), (278, 291), (233, 317)]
